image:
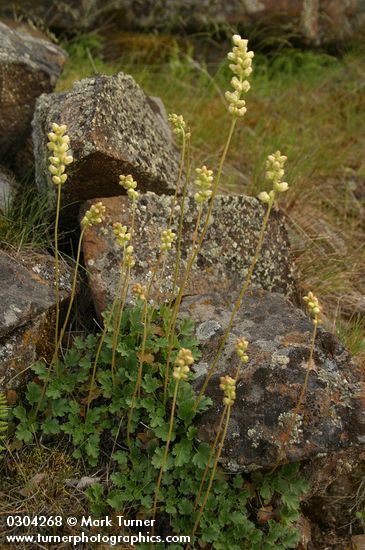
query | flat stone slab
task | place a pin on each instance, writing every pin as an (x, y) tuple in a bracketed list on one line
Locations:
[(114, 128), (27, 297), (332, 417), (27, 288), (29, 66), (224, 259)]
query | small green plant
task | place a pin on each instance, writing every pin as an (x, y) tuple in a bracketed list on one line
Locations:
[(228, 515), (3, 420)]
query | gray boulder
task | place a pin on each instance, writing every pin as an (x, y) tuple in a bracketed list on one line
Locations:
[(225, 255), (114, 129), (331, 418), (27, 297), (29, 66)]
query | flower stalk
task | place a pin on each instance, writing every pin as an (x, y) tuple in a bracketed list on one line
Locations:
[(181, 371), (274, 173)]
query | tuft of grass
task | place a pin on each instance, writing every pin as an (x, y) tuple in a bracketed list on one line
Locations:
[(26, 221), (351, 334)]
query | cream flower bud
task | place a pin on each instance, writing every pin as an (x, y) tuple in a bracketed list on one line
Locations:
[(274, 173), (183, 362), (313, 306), (167, 238), (241, 348), (281, 187), (139, 291), (264, 197), (228, 385), (121, 234), (94, 216), (133, 195), (178, 124), (203, 182)]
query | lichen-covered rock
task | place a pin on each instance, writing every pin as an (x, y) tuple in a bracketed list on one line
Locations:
[(332, 414), (8, 187), (114, 129), (27, 297), (222, 263), (29, 66)]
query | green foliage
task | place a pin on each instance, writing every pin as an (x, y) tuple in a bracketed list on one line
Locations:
[(3, 420), (229, 517)]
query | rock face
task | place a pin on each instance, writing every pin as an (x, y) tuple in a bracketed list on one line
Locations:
[(332, 416), (8, 187), (224, 259), (114, 129), (29, 66), (27, 298), (316, 21)]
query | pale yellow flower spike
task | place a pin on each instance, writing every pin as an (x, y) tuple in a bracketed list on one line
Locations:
[(121, 234), (130, 185), (178, 124), (94, 216), (183, 362), (241, 348), (274, 173), (167, 238), (59, 144), (241, 67), (313, 306), (228, 385), (204, 183)]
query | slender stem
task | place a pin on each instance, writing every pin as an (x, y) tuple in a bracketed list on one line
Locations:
[(57, 267), (122, 297), (102, 338), (120, 317), (207, 219), (73, 290), (181, 169), (212, 475), (212, 451), (164, 459), (181, 220), (118, 312), (237, 304), (215, 443), (171, 331), (143, 347), (58, 339), (172, 326)]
